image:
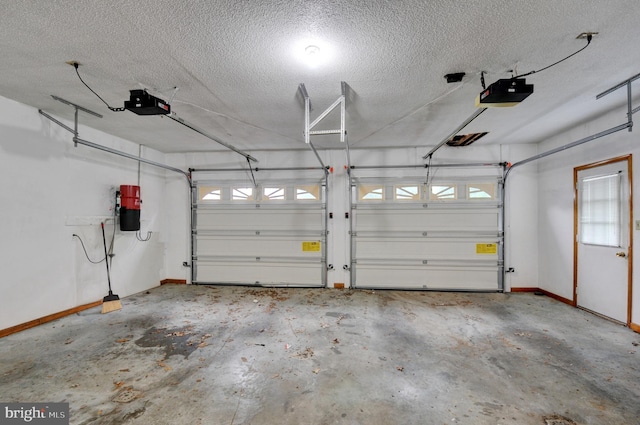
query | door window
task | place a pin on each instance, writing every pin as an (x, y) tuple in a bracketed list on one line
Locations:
[(599, 210)]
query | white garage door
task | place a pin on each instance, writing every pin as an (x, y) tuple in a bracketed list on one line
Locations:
[(273, 234), (445, 235)]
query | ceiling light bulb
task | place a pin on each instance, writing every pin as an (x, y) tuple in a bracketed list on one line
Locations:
[(312, 50), (312, 55)]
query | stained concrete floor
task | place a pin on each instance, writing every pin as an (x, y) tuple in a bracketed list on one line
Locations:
[(230, 355)]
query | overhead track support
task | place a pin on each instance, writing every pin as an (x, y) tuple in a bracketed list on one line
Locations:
[(77, 140), (627, 125), (627, 83), (177, 119), (308, 125), (453, 165), (130, 156), (257, 169)]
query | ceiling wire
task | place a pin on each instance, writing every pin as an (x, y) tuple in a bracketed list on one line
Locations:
[(430, 176), (589, 37), (111, 108), (234, 119), (415, 111), (253, 177)]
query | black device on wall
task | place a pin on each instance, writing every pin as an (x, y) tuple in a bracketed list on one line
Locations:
[(129, 208)]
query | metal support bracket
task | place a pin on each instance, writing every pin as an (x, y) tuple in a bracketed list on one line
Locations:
[(630, 109), (77, 108), (308, 125), (77, 140), (627, 125)]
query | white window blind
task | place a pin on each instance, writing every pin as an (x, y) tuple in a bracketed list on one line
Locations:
[(599, 210)]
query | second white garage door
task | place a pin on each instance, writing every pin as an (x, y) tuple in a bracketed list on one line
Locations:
[(446, 235)]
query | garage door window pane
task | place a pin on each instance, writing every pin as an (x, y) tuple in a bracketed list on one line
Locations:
[(273, 193), (210, 193), (600, 214), (242, 194), (407, 193), (370, 192), (481, 191), (308, 193), (443, 192)]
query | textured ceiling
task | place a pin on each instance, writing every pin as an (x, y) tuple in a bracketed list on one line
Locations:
[(237, 66)]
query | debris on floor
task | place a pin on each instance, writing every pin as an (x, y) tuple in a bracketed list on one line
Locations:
[(307, 353), (127, 395), (163, 365), (557, 420)]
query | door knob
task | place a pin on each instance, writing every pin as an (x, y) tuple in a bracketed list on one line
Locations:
[(621, 254)]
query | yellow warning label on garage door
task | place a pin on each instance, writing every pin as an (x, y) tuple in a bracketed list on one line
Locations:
[(311, 246), (486, 248)]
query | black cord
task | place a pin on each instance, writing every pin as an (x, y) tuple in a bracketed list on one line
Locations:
[(252, 176), (75, 65), (589, 37), (85, 251), (428, 171)]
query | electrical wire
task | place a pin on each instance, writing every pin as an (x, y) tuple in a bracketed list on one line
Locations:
[(113, 235), (141, 239), (75, 65), (589, 37), (85, 251)]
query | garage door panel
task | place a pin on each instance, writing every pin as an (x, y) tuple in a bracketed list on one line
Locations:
[(431, 278), (255, 247), (259, 273), (260, 219), (370, 220), (399, 248)]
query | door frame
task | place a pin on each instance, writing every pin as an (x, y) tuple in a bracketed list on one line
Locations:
[(576, 170)]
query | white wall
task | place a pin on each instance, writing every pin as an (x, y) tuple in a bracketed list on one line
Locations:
[(521, 197), (51, 190), (556, 195)]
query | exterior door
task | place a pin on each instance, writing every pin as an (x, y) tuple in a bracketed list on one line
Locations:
[(603, 238)]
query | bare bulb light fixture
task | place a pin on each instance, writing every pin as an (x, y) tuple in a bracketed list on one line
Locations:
[(312, 55)]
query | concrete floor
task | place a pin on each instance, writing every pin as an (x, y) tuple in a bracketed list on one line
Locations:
[(229, 355)]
